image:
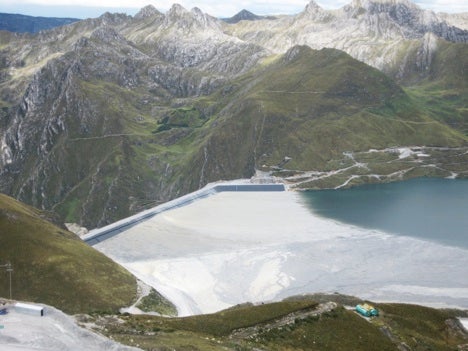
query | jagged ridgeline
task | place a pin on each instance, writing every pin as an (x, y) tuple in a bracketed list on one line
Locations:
[(53, 266), (105, 117)]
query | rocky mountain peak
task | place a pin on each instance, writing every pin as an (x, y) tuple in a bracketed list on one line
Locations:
[(245, 15), (177, 11), (315, 12), (184, 19), (406, 17), (202, 18), (147, 11), (179, 16), (197, 12), (313, 6)]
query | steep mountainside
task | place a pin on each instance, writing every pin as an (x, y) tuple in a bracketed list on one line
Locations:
[(307, 108), (459, 20), (30, 24), (108, 116), (53, 266)]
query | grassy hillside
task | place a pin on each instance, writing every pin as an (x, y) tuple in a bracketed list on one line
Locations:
[(311, 106), (443, 90), (307, 105), (53, 266), (298, 324), (117, 136)]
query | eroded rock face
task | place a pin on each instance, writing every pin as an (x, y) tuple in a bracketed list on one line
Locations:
[(376, 32), (148, 11)]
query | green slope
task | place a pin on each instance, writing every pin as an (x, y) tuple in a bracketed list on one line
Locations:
[(308, 105), (312, 106), (444, 92), (53, 266), (295, 324), (115, 140)]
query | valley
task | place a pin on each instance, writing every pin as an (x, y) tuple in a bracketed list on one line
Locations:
[(106, 117), (147, 129), (221, 249)]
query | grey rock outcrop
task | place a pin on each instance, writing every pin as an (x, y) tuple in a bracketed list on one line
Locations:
[(373, 31), (147, 11)]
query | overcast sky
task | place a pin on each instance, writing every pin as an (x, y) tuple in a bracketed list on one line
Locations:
[(94, 8)]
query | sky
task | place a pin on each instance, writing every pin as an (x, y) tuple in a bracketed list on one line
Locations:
[(227, 8)]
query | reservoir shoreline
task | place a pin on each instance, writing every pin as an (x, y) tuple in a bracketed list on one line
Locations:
[(235, 247)]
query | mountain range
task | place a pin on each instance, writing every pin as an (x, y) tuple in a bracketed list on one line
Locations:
[(30, 24), (105, 117)]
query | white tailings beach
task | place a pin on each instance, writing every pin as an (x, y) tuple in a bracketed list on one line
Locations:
[(234, 247), (56, 331)]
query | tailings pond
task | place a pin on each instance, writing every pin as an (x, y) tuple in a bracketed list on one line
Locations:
[(424, 208)]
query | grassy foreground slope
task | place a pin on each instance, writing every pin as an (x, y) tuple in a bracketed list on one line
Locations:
[(53, 266), (294, 324)]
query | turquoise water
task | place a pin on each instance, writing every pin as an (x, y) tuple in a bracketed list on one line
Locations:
[(425, 208)]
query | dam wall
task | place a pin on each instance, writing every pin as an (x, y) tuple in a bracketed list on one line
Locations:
[(100, 234)]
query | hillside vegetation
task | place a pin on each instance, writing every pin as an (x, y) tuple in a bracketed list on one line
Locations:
[(106, 117), (294, 324), (444, 93), (311, 106), (53, 266)]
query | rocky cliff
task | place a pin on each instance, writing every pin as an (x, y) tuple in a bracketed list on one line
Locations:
[(380, 33)]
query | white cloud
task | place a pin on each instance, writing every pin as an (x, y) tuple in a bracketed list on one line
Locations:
[(453, 6), (334, 4), (213, 7)]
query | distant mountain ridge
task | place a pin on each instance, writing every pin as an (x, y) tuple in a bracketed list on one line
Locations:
[(31, 24), (107, 116), (245, 15), (380, 33)]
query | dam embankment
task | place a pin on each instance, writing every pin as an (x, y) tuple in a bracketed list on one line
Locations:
[(100, 234)]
